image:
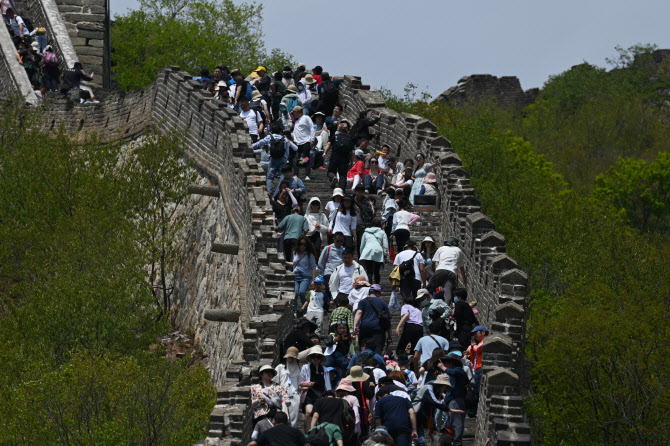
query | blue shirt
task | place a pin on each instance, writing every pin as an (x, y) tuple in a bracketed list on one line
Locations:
[(369, 320), (459, 383), (293, 183), (266, 142), (304, 263), (394, 412), (368, 355)]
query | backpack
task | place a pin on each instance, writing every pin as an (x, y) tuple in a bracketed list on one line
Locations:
[(318, 436), (277, 148), (75, 94), (348, 420), (257, 106), (293, 102), (406, 268), (51, 60), (329, 91), (384, 319), (362, 357), (343, 144), (250, 91), (28, 23)]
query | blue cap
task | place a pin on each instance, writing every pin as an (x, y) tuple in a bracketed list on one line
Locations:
[(318, 279), (479, 328)]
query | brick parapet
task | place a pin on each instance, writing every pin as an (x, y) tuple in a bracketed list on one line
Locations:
[(493, 278)]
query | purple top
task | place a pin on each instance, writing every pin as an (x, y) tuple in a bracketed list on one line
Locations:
[(414, 314)]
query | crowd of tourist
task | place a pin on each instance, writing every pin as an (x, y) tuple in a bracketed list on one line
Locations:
[(339, 368), (40, 61)]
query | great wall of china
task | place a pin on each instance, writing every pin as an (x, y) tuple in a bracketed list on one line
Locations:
[(230, 257)]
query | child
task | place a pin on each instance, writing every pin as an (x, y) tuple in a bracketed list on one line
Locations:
[(404, 363), (314, 304), (360, 291)]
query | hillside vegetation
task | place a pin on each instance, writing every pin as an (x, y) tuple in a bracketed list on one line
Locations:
[(579, 184), (85, 230)]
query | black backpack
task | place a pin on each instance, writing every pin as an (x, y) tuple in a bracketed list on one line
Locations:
[(257, 105), (343, 144), (318, 436), (384, 319), (277, 148), (28, 23), (330, 91), (406, 268), (348, 420)]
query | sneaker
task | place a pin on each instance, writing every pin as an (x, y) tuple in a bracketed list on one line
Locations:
[(322, 168), (333, 183), (367, 191), (307, 178)]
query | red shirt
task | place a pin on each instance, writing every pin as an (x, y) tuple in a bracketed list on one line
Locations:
[(358, 169)]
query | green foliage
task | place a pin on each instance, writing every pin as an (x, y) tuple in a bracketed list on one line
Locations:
[(586, 118), (191, 34), (125, 400), (80, 224), (640, 190), (597, 328)]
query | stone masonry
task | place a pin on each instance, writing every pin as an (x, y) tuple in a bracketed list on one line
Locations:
[(506, 91)]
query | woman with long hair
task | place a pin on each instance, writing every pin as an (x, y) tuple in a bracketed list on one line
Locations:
[(374, 179), (422, 169), (405, 181), (344, 221), (304, 268)]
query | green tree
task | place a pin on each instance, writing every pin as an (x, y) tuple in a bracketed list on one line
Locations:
[(640, 189), (191, 34), (81, 224)]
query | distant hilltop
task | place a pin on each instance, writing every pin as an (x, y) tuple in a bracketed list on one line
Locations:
[(506, 91)]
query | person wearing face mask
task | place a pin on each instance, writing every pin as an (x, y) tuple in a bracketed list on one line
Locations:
[(305, 96)]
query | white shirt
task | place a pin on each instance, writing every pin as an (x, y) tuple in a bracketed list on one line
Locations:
[(253, 118), (331, 207), (303, 130), (357, 295), (346, 276), (15, 22), (383, 163), (344, 223), (315, 301), (408, 254), (449, 258), (401, 220)]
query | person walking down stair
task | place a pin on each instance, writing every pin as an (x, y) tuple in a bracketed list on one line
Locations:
[(340, 146), (303, 135)]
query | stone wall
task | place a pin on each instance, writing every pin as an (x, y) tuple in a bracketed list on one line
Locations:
[(506, 91), (13, 77), (87, 24), (216, 139), (493, 278)]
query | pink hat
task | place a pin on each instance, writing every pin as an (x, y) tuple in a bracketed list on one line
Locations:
[(345, 384)]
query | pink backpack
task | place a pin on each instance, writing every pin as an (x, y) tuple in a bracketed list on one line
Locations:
[(51, 59)]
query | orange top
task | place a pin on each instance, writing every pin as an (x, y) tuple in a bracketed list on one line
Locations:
[(476, 354)]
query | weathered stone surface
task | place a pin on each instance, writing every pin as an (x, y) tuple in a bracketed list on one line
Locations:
[(506, 91), (91, 26)]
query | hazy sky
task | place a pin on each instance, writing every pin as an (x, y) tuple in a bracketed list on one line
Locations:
[(433, 43)]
